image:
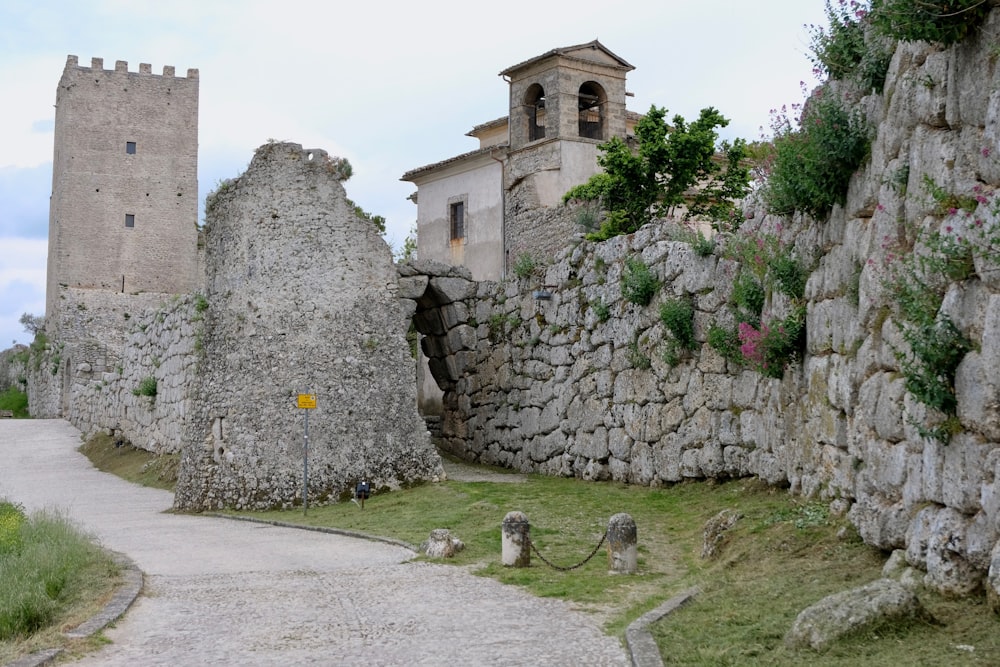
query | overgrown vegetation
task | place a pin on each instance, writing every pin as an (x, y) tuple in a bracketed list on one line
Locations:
[(764, 341), (638, 186), (945, 22), (51, 574)]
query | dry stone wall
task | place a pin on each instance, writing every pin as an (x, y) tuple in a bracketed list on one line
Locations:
[(303, 300)]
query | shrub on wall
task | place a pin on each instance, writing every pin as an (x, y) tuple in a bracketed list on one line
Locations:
[(639, 285), (942, 21), (814, 163)]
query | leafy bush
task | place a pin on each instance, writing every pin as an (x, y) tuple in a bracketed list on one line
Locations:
[(942, 21), (636, 186), (847, 49), (638, 283), (813, 164), (771, 348), (677, 316), (789, 275), (839, 49)]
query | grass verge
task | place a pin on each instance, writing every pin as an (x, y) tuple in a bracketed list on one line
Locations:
[(130, 463), (53, 577)]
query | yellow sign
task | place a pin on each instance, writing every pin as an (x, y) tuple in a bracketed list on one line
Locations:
[(307, 401)]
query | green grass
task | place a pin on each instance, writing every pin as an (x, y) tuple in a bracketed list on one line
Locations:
[(53, 577), (135, 465), (15, 400), (784, 554)]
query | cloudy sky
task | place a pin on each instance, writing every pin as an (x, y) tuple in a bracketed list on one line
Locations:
[(389, 84)]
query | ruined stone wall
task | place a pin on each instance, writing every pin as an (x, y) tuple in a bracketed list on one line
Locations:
[(558, 389), (303, 299)]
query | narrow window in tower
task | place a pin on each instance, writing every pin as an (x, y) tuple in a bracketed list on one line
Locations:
[(129, 220), (130, 147)]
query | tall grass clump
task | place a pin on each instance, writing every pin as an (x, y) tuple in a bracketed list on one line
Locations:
[(46, 564), (16, 401)]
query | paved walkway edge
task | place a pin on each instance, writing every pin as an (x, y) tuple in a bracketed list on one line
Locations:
[(116, 607), (317, 529), (642, 649)]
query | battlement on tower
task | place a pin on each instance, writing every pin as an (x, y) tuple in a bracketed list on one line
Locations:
[(121, 67)]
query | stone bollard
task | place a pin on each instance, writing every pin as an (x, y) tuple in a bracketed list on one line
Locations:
[(623, 555), (515, 540)]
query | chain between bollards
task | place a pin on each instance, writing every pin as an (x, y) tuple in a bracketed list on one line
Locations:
[(571, 567)]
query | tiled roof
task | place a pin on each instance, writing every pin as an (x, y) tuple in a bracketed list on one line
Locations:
[(413, 173)]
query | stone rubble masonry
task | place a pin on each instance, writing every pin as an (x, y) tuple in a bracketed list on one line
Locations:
[(303, 296)]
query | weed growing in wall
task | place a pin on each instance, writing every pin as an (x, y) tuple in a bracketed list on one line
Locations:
[(765, 343), (147, 387), (677, 315), (525, 266), (601, 309), (639, 285)]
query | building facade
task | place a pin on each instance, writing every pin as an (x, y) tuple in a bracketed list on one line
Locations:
[(484, 208)]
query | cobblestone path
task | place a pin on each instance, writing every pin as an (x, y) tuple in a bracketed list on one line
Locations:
[(222, 592)]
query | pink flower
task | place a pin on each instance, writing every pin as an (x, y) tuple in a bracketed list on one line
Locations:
[(986, 151)]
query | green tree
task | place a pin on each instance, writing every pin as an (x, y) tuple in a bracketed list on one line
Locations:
[(637, 186)]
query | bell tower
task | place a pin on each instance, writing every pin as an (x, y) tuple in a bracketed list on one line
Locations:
[(572, 93)]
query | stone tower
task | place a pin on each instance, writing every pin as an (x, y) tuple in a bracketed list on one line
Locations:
[(124, 205)]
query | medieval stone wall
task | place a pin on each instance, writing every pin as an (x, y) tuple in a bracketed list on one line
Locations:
[(303, 300)]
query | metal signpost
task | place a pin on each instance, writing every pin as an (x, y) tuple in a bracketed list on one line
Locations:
[(306, 402)]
